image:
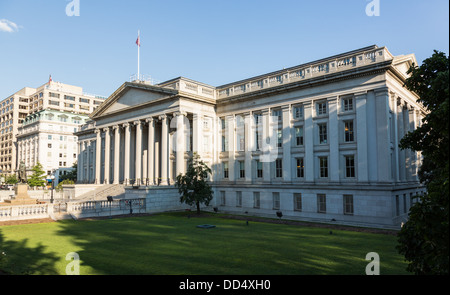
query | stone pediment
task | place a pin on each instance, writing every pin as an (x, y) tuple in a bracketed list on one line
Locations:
[(132, 95), (403, 62)]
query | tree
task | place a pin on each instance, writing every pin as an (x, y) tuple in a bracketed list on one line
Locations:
[(194, 186), (38, 176), (11, 179), (424, 238), (72, 175)]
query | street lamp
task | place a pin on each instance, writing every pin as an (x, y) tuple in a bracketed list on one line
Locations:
[(53, 187)]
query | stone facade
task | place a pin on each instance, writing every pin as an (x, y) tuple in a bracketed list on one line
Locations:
[(318, 141)]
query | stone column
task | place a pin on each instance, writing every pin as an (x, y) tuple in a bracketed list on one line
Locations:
[(248, 145), (98, 156), (361, 137), (107, 155), (382, 135), (309, 142), (127, 133), (138, 166), (151, 151), (116, 129), (80, 162), (181, 143), (197, 132), (231, 148), (164, 149), (286, 140), (395, 133)]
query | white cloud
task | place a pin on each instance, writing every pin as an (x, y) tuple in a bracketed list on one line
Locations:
[(8, 26)]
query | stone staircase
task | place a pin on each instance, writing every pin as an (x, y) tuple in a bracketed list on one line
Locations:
[(101, 193)]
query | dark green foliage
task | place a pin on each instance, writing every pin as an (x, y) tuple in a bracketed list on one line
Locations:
[(424, 238), (194, 186)]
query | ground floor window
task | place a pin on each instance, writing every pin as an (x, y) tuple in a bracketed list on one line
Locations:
[(297, 202), (238, 199), (348, 204), (276, 200), (321, 203), (256, 200)]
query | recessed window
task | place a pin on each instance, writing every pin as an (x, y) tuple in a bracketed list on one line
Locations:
[(321, 203), (323, 167), (321, 108), (348, 131), (299, 136), (348, 204), (297, 202), (350, 166), (278, 168), (347, 104), (323, 136), (300, 167)]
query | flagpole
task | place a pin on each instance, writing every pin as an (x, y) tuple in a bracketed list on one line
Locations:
[(139, 47)]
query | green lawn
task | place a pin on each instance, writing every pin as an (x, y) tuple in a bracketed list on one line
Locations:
[(172, 244)]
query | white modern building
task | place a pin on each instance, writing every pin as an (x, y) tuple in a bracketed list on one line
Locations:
[(48, 137), (318, 141)]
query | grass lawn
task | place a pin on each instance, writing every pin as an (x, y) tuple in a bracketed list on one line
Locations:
[(172, 244)]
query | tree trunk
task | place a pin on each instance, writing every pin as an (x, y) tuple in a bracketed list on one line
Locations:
[(198, 207)]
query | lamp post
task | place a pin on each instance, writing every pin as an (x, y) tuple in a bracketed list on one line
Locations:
[(53, 187)]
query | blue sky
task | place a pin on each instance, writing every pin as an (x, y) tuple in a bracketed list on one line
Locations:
[(211, 41)]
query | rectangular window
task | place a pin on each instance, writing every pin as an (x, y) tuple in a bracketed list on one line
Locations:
[(278, 168), (297, 202), (278, 115), (241, 169), (348, 204), (51, 94), (300, 167), (276, 200), (348, 130), (256, 200), (321, 203), (258, 137), (84, 100), (323, 167), (54, 103), (259, 169), (68, 97), (299, 136), (238, 199), (298, 112), (323, 133), (224, 143), (279, 138), (397, 205), (225, 169), (49, 137), (350, 166), (321, 108), (404, 203), (347, 104)]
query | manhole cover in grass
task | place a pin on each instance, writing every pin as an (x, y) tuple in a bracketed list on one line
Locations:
[(206, 226)]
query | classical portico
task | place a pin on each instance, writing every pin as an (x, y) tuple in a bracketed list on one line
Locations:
[(143, 150)]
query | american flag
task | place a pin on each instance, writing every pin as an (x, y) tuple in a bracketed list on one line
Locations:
[(138, 41)]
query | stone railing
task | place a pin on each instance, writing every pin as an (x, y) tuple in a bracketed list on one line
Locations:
[(75, 209), (303, 72), (22, 212)]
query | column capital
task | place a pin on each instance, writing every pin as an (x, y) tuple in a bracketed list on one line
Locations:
[(106, 129), (137, 122), (150, 120), (116, 127), (180, 113), (98, 131), (126, 124), (163, 117)]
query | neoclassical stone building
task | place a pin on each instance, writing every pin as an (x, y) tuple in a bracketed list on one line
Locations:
[(318, 141)]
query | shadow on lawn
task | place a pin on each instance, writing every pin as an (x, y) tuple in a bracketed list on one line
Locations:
[(16, 258), (165, 244)]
